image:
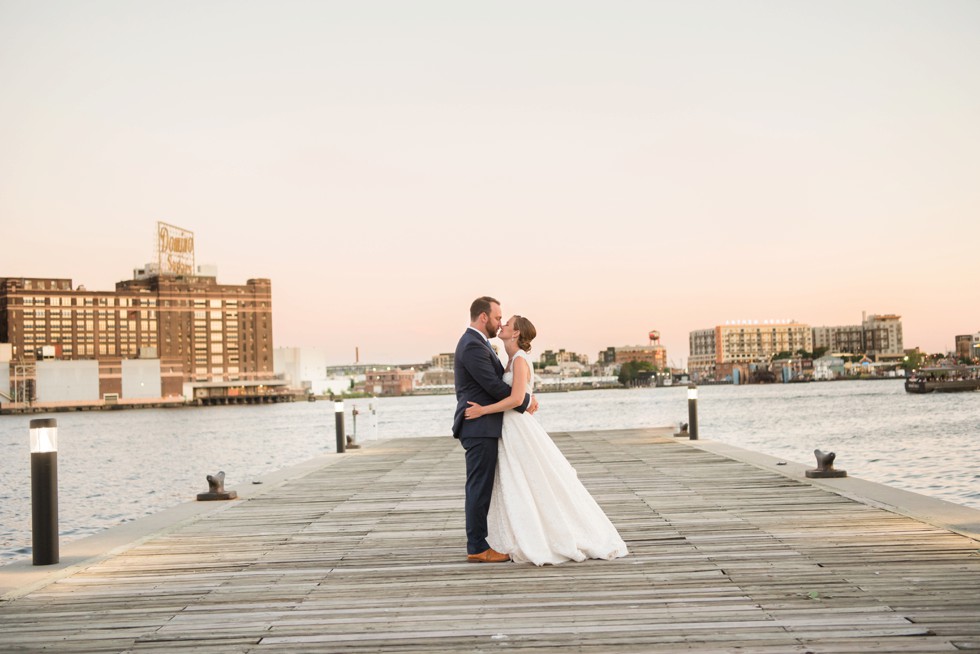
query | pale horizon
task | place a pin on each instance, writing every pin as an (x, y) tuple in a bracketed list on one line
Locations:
[(603, 169)]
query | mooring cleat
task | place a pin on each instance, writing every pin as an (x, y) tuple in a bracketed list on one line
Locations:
[(217, 489), (825, 466)]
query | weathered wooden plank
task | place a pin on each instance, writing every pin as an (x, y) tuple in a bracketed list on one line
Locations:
[(366, 555)]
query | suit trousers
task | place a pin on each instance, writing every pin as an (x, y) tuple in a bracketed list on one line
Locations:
[(481, 468)]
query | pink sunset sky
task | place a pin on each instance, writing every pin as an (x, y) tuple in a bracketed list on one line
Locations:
[(604, 168)]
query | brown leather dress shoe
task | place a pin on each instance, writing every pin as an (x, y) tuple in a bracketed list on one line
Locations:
[(490, 556)]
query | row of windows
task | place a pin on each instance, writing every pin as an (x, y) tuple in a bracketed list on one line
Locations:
[(216, 359), (88, 325), (762, 346), (217, 370), (69, 315), (67, 301), (201, 338), (213, 304), (112, 324), (199, 303), (201, 341), (93, 301), (31, 337), (773, 334), (217, 348), (782, 338), (229, 316)]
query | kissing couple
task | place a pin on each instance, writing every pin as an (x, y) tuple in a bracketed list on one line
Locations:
[(524, 501)]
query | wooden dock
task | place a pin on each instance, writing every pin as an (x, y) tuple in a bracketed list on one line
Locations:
[(368, 554)]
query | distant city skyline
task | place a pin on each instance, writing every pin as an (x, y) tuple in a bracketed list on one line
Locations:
[(603, 169)]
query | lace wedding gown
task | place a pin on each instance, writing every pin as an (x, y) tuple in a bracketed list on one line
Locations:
[(539, 511)]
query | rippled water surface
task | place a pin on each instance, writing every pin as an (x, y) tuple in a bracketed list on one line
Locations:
[(116, 466)]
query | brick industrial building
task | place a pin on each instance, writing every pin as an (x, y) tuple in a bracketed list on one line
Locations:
[(201, 333)]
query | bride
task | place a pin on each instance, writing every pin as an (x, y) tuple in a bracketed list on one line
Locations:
[(539, 511)]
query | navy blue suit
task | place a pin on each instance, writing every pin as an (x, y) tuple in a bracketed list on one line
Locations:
[(479, 378)]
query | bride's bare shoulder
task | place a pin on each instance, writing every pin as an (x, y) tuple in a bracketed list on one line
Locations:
[(521, 362)]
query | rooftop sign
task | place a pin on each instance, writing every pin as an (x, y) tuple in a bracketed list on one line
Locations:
[(175, 250)]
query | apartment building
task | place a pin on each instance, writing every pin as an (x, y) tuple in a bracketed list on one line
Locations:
[(878, 336), (748, 341), (845, 338), (742, 342), (702, 357)]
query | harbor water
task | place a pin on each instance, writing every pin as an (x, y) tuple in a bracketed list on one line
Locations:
[(117, 466)]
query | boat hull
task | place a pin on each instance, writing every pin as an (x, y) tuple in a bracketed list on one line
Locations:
[(933, 386)]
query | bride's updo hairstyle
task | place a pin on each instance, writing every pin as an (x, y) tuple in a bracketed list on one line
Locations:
[(527, 332)]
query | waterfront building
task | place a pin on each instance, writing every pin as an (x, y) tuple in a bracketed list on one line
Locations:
[(750, 341), (305, 369), (653, 354), (300, 366), (738, 345), (828, 367), (552, 358), (962, 345), (565, 369), (353, 369), (438, 377), (446, 360), (6, 351), (389, 381), (793, 368), (220, 332), (968, 346), (702, 357), (883, 336), (200, 332), (843, 339), (878, 336)]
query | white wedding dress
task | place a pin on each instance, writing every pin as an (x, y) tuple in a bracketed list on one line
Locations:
[(539, 511)]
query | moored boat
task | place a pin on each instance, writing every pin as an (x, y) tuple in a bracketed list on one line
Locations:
[(953, 379)]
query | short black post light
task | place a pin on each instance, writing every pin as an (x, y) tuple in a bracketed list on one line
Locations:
[(44, 490), (338, 411), (692, 410)]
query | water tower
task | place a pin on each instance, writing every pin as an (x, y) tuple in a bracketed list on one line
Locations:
[(654, 337)]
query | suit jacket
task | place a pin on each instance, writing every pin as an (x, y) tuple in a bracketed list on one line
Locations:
[(479, 378)]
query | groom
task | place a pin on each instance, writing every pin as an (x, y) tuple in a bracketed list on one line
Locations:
[(479, 378)]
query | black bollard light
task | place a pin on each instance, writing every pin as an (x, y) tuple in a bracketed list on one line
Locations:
[(692, 410), (44, 490), (338, 412)]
